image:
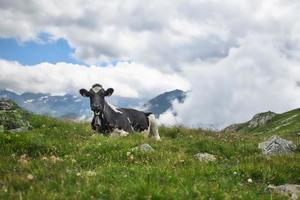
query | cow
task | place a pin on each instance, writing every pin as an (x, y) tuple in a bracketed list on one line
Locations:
[(109, 119)]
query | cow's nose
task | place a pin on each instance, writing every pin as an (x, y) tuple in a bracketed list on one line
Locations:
[(96, 107)]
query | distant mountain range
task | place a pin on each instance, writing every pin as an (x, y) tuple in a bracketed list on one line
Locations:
[(163, 102), (75, 107)]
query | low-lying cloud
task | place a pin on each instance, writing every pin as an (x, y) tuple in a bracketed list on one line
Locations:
[(128, 79), (254, 77)]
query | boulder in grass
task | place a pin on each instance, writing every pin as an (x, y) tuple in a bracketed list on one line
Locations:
[(289, 190), (205, 157), (12, 117), (6, 104), (143, 148), (276, 145)]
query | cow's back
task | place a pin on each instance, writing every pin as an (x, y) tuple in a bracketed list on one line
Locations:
[(138, 119)]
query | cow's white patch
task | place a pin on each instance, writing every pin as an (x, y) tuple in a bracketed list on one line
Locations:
[(96, 89), (114, 108), (119, 133)]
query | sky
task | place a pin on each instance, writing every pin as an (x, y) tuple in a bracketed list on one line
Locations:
[(236, 57)]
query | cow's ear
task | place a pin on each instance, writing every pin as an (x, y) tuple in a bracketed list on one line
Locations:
[(109, 92), (84, 93)]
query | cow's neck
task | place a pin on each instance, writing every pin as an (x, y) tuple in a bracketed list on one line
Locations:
[(109, 114)]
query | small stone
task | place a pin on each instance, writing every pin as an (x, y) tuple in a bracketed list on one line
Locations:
[(55, 159), (23, 159), (143, 148), (44, 158), (205, 157), (130, 157), (30, 177), (90, 173)]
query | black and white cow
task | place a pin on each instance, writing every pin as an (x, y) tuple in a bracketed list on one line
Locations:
[(109, 119)]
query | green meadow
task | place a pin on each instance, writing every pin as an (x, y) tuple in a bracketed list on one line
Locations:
[(60, 159)]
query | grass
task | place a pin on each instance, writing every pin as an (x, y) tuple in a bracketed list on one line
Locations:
[(66, 160)]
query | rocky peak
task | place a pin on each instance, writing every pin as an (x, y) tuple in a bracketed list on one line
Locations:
[(261, 119)]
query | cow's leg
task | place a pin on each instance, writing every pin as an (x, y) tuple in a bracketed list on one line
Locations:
[(153, 127), (92, 124)]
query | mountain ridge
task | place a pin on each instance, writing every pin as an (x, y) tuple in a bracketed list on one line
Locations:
[(269, 123), (75, 107)]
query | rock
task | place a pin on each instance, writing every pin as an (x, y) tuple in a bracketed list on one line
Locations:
[(261, 119), (292, 191), (143, 148), (205, 157), (277, 146), (6, 105), (12, 117), (258, 120), (232, 128), (30, 177)]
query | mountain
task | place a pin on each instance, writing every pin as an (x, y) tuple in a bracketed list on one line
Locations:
[(163, 102), (57, 106), (270, 123), (76, 107)]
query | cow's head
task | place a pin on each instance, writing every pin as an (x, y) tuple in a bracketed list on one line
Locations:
[(97, 95)]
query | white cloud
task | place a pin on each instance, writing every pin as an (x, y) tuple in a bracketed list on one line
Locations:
[(239, 56), (128, 79), (255, 77), (163, 34)]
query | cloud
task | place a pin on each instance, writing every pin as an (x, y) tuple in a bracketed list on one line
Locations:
[(128, 79), (240, 57), (164, 35), (255, 77)]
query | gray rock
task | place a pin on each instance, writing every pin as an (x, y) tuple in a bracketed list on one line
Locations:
[(276, 146), (143, 148), (6, 105), (12, 117), (261, 119), (292, 191), (205, 157)]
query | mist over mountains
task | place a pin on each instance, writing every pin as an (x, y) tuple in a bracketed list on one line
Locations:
[(75, 107)]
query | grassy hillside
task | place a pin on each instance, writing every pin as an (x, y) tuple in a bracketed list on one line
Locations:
[(285, 124), (66, 160)]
